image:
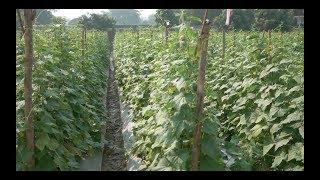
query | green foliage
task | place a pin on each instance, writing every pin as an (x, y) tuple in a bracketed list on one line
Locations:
[(126, 16), (266, 19), (260, 100), (199, 13), (166, 15), (260, 19), (67, 97), (44, 17), (97, 21), (253, 105)]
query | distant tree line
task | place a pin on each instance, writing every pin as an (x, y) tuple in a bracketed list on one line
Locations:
[(43, 17), (242, 19)]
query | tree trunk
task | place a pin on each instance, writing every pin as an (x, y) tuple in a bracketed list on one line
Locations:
[(200, 93), (29, 15)]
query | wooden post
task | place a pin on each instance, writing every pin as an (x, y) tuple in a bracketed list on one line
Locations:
[(270, 46), (138, 35), (223, 41), (204, 36), (166, 33), (234, 39), (85, 38), (82, 41), (29, 15)]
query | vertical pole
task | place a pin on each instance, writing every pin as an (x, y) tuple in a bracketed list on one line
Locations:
[(166, 33), (138, 35), (223, 41), (82, 42), (85, 38), (29, 15), (270, 46), (234, 39), (204, 36)]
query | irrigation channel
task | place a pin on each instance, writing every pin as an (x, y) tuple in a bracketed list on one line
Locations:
[(117, 136)]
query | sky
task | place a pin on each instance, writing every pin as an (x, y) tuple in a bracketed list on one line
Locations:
[(74, 13)]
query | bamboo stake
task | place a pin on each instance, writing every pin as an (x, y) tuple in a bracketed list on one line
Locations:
[(203, 44), (270, 46), (29, 15), (166, 34), (223, 41), (83, 37)]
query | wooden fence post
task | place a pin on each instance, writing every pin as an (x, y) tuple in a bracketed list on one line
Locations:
[(204, 36), (270, 46), (83, 41), (29, 16), (223, 41), (166, 34)]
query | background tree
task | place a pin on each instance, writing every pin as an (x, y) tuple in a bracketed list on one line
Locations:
[(242, 19), (212, 13), (261, 19), (73, 22), (126, 16), (164, 15), (44, 16), (150, 20), (59, 20), (97, 21), (267, 19)]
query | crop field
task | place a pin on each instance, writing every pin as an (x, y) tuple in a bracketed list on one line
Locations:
[(253, 106), (159, 99)]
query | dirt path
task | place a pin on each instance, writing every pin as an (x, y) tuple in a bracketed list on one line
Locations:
[(113, 156)]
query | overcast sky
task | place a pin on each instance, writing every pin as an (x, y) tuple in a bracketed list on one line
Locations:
[(73, 13)]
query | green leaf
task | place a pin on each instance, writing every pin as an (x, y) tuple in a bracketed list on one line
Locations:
[(172, 146), (242, 120), (179, 100), (298, 100), (259, 119), (296, 152), (295, 116), (257, 129), (278, 159), (209, 147), (210, 127), (282, 143), (275, 128), (273, 111), (294, 89), (53, 144), (42, 141), (147, 111), (267, 148), (179, 83), (19, 105), (301, 131), (209, 164)]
